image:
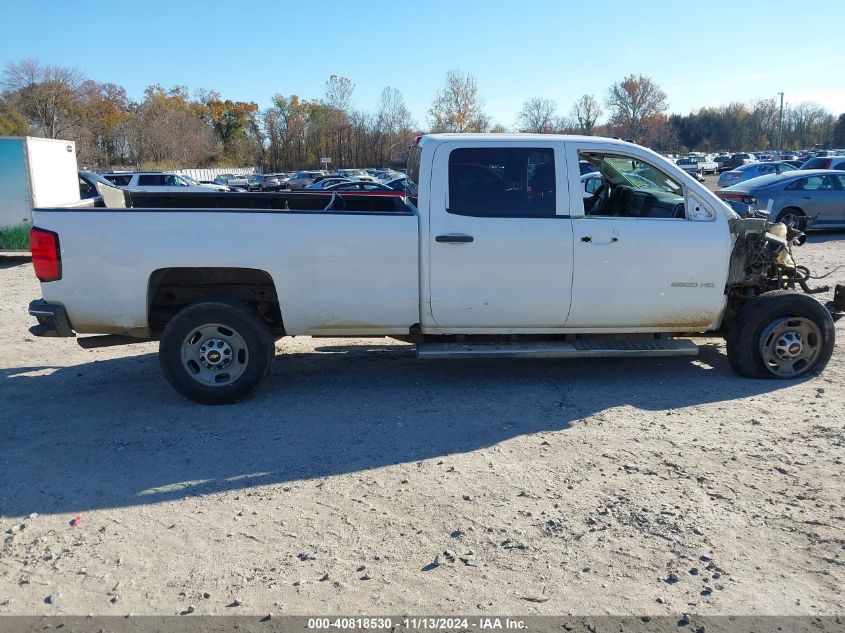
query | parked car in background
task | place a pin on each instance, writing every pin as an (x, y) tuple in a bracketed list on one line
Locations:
[(263, 182), (88, 188), (355, 174), (302, 179), (218, 187), (720, 159), (587, 167), (231, 180), (825, 162), (119, 178), (155, 181), (403, 184), (753, 170), (326, 181), (355, 185), (741, 158), (697, 165), (284, 178), (210, 184), (387, 176), (800, 199)]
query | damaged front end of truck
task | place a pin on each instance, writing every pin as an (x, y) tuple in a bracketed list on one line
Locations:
[(763, 261)]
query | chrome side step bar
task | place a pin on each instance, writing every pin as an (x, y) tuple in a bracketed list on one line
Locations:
[(578, 348)]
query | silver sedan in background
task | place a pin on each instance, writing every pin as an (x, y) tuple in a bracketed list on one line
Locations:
[(812, 198)]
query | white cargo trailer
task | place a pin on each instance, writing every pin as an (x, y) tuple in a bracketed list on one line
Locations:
[(34, 172)]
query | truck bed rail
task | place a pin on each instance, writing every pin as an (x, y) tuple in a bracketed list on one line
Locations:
[(329, 201)]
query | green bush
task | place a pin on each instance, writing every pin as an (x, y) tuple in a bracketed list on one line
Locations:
[(15, 238)]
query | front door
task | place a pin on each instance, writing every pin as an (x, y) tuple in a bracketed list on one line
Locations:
[(500, 237), (649, 251)]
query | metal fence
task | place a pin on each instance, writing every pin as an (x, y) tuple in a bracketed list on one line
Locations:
[(212, 172)]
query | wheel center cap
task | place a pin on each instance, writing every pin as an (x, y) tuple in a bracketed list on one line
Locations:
[(789, 345), (216, 353)]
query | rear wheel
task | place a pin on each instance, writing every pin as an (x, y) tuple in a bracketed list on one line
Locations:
[(216, 352), (781, 335)]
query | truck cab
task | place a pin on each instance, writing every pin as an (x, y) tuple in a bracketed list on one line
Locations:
[(513, 243)]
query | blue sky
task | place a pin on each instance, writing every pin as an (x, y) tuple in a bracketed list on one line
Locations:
[(700, 53)]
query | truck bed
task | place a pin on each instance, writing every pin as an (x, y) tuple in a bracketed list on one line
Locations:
[(340, 264)]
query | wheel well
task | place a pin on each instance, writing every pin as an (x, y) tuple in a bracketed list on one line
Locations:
[(171, 289)]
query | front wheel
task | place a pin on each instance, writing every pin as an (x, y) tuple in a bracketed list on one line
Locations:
[(781, 334), (216, 352)]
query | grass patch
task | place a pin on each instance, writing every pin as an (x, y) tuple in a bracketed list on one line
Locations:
[(15, 238)]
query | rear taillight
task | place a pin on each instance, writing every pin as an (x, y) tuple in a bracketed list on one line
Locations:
[(737, 195), (46, 257)]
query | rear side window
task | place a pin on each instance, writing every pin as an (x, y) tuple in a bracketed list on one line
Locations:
[(120, 181), (151, 180), (502, 182), (813, 183)]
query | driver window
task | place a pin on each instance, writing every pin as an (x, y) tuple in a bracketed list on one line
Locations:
[(630, 188)]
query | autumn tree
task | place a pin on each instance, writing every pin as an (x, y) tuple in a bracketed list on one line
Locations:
[(104, 111), (537, 116), (12, 122), (586, 113), (457, 107), (633, 101), (47, 96), (230, 119), (167, 130)]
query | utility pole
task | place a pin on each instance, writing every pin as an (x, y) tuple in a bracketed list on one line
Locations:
[(780, 128)]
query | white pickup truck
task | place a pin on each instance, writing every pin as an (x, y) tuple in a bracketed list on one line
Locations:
[(501, 255)]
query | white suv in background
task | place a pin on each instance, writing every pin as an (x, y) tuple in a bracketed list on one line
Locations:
[(154, 181)]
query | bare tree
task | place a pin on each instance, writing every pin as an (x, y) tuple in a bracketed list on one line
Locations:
[(633, 101), (48, 96), (586, 112), (339, 93), (393, 122), (537, 115), (457, 107)]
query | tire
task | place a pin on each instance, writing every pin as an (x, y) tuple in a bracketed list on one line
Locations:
[(216, 352), (793, 217), (762, 342)]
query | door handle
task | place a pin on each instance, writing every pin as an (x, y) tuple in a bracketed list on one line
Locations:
[(454, 239)]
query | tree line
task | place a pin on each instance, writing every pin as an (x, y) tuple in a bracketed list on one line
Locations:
[(172, 127)]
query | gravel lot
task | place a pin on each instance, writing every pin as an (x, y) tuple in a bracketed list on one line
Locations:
[(361, 480)]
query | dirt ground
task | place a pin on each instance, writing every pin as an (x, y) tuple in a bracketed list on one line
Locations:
[(363, 481)]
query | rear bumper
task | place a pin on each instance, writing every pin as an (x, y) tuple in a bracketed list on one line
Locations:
[(52, 319)]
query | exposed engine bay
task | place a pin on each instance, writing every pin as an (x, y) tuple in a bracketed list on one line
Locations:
[(762, 260)]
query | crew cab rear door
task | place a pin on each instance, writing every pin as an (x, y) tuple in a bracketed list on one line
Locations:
[(500, 237), (651, 252)]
